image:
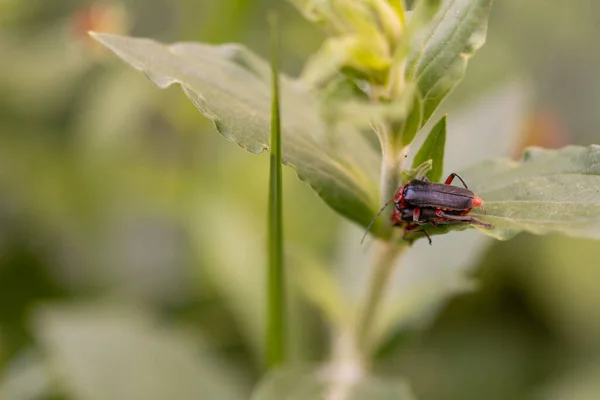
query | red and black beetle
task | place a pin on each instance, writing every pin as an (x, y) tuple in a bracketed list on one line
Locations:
[(420, 202), (420, 193)]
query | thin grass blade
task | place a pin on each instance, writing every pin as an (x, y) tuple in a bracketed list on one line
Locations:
[(276, 324)]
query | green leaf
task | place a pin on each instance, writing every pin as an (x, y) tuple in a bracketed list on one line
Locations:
[(110, 353), (418, 172), (423, 12), (231, 86), (433, 149), (304, 384), (367, 57), (546, 191), (363, 114), (362, 32), (276, 324), (399, 9), (345, 17), (391, 19), (438, 58), (412, 123), (342, 88)]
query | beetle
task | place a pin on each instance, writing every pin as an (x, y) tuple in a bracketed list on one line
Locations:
[(441, 196), (413, 219), (432, 203)]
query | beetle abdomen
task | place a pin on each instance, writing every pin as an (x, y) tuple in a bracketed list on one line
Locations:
[(437, 195)]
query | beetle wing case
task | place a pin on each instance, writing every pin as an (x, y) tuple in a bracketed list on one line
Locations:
[(438, 195)]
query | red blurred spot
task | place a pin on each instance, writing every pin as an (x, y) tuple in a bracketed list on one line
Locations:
[(99, 17), (543, 129)]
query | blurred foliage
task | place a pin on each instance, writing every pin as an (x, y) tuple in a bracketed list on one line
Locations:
[(120, 203)]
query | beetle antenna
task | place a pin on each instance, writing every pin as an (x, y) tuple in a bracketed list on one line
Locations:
[(387, 203)]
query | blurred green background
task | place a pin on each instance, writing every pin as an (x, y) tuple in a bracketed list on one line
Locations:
[(133, 237)]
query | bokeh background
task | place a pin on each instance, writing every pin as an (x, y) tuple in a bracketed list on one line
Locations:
[(132, 236)]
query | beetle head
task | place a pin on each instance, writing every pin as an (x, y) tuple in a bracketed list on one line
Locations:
[(477, 202)]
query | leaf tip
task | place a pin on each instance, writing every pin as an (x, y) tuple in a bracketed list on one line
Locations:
[(97, 36)]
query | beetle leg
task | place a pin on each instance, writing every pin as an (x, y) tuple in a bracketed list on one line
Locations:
[(453, 175), (396, 217), (466, 219), (468, 210), (426, 234), (413, 228), (407, 228), (416, 214)]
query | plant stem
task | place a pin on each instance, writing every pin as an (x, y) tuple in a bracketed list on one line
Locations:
[(276, 326), (385, 257), (390, 174), (385, 253)]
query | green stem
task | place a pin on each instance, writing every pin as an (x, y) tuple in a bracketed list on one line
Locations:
[(385, 253), (276, 326), (385, 257), (390, 172)]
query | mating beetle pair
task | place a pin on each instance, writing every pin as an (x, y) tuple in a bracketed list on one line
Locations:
[(421, 202)]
